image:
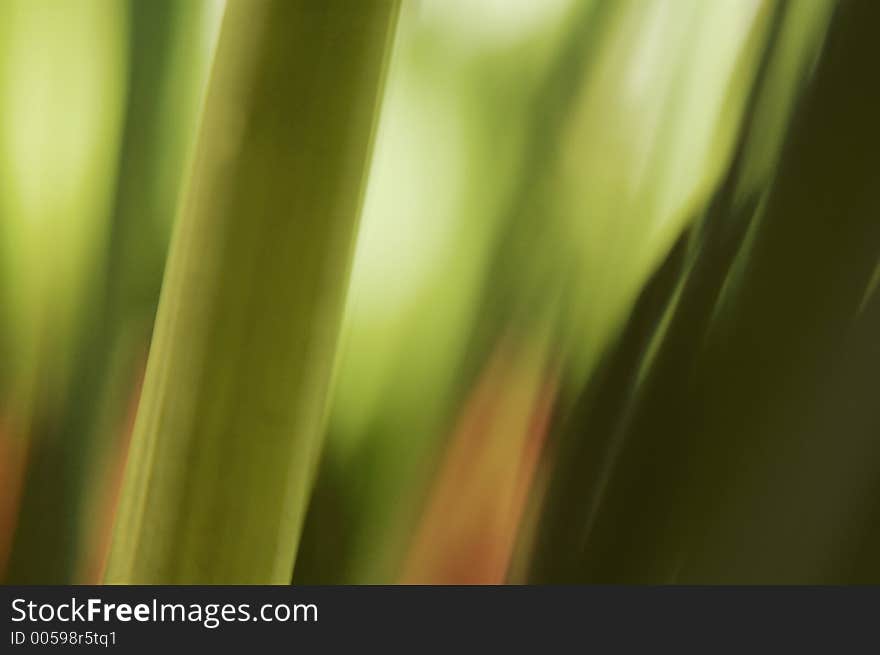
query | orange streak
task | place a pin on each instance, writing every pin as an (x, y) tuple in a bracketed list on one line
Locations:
[(92, 571), (473, 515)]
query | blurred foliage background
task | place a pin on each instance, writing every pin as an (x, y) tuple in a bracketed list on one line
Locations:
[(613, 314)]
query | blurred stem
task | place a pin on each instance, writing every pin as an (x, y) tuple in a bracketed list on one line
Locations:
[(63, 83), (232, 412), (169, 69)]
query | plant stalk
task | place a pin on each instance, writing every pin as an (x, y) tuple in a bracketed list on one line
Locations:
[(230, 423)]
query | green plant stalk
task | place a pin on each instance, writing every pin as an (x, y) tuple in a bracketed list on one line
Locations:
[(232, 413)]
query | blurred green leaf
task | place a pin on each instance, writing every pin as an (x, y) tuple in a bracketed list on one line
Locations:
[(231, 419)]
